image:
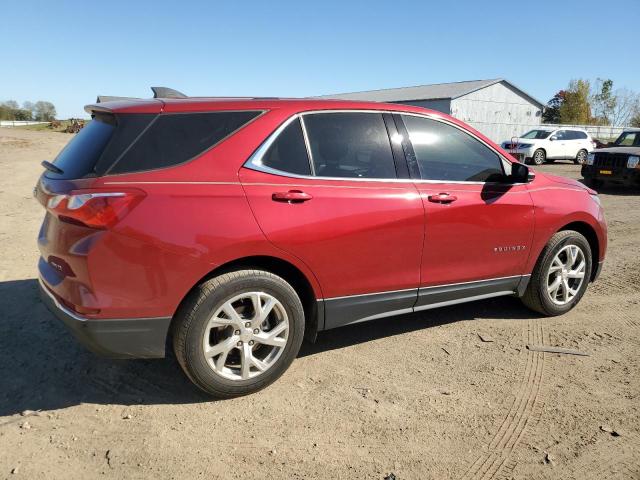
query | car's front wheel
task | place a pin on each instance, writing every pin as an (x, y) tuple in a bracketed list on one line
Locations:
[(581, 157), (238, 332), (539, 156), (561, 274)]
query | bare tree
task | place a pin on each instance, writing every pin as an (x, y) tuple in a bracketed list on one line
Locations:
[(12, 104), (627, 105), (45, 111)]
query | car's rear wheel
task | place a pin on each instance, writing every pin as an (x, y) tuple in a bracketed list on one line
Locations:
[(238, 332), (539, 157), (561, 274), (581, 157)]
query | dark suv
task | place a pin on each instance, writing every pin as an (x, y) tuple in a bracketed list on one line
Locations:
[(618, 163), (236, 227)]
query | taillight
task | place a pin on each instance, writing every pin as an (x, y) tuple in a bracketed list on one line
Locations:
[(94, 209)]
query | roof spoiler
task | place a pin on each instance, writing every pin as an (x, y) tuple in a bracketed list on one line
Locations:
[(158, 92)]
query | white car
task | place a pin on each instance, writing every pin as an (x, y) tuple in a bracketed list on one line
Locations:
[(547, 145)]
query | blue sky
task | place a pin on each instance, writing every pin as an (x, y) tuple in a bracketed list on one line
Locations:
[(68, 52)]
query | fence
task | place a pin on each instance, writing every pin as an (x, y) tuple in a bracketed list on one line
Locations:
[(18, 123), (499, 132)]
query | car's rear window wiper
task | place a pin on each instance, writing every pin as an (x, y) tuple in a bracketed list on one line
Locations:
[(51, 167)]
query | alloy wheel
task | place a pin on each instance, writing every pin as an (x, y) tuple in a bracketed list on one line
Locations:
[(246, 336), (538, 157), (566, 274)]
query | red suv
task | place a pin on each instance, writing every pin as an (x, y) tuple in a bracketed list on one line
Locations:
[(236, 227)]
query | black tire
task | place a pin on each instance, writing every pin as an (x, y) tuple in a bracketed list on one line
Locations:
[(536, 296), (539, 157), (191, 321), (581, 157)]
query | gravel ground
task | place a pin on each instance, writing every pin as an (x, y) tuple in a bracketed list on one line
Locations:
[(420, 396)]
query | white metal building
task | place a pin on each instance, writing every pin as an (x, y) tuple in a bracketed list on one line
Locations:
[(495, 107)]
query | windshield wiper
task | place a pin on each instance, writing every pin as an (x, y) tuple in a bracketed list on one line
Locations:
[(51, 167)]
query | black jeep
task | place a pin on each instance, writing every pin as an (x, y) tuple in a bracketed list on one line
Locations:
[(617, 163)]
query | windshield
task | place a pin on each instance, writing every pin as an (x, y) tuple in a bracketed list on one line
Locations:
[(629, 139), (537, 134)]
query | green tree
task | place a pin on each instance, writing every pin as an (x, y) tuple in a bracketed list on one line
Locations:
[(44, 111), (576, 109), (603, 102), (21, 114), (551, 112)]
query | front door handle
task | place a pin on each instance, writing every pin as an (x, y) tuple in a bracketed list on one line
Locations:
[(442, 198), (292, 196)]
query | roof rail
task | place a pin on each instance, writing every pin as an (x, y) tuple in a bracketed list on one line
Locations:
[(165, 92), (109, 98)]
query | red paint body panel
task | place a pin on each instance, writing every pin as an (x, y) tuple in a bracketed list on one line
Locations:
[(357, 237), (353, 237), (559, 203), (461, 236)]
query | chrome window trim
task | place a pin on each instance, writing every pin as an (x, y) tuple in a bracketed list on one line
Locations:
[(307, 145), (253, 162)]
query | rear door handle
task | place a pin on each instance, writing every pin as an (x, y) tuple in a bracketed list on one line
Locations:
[(292, 196), (442, 198)]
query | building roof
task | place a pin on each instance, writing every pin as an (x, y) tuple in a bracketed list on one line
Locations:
[(436, 91)]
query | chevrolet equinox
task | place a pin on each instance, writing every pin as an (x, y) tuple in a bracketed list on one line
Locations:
[(235, 227)]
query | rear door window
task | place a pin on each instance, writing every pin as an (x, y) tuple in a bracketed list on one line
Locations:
[(175, 138), (350, 145), (444, 152), (79, 157), (288, 153)]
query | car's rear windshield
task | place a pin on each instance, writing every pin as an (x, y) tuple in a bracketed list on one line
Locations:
[(537, 134), (129, 143)]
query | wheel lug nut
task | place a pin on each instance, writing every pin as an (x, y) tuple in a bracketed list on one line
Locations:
[(239, 343), (247, 324), (237, 332), (250, 342), (256, 331)]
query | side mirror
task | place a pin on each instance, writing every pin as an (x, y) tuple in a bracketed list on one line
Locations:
[(520, 173), (553, 138)]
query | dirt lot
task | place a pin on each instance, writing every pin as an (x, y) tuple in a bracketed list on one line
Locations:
[(420, 396)]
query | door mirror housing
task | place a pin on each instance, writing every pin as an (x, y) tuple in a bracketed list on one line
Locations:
[(520, 173), (553, 138)]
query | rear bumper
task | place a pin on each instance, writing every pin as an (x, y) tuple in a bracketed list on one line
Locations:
[(113, 338)]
